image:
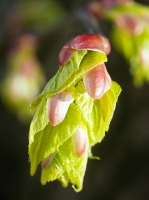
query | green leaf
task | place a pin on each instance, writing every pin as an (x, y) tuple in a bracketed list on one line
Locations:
[(102, 113), (97, 114), (75, 167), (62, 79), (51, 137), (92, 115), (90, 60), (71, 73), (66, 167), (39, 121), (54, 171)]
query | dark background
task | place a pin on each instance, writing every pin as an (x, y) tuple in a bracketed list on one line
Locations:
[(123, 171)]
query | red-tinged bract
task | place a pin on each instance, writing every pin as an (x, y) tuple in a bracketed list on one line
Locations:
[(57, 107), (97, 81), (47, 161), (80, 142), (83, 42), (107, 47)]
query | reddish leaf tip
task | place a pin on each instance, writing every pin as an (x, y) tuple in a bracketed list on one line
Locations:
[(47, 161), (83, 42)]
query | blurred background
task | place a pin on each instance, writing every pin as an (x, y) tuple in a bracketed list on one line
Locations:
[(31, 36)]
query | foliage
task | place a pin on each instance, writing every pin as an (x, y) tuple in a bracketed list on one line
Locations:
[(92, 116), (75, 108)]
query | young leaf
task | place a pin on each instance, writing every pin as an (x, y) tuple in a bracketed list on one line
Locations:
[(97, 114), (39, 121), (71, 72), (90, 42), (51, 137), (63, 149), (63, 78), (54, 171), (105, 108), (75, 167)]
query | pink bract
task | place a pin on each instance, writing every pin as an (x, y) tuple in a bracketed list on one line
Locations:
[(80, 142), (97, 81), (83, 42), (57, 107), (47, 161)]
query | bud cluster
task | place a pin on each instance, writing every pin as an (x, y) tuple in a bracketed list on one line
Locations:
[(96, 81), (72, 116)]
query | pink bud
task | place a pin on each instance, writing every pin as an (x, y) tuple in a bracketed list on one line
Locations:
[(130, 24), (83, 42), (80, 142), (97, 81), (57, 107), (47, 161)]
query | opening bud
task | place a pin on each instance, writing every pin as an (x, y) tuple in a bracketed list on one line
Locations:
[(80, 142), (97, 81), (83, 42), (57, 107), (47, 161)]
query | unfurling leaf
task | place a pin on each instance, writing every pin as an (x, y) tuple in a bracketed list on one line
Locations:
[(83, 42), (69, 121)]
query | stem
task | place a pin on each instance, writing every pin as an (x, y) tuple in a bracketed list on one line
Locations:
[(88, 21)]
